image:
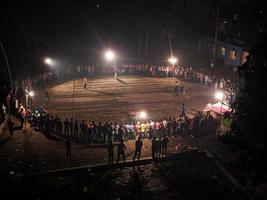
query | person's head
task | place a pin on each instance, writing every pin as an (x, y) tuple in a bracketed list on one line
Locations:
[(121, 141), (139, 138)]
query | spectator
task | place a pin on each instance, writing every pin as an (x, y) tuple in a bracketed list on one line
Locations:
[(10, 127), (138, 148), (68, 148), (110, 148), (165, 143), (153, 147), (121, 151)]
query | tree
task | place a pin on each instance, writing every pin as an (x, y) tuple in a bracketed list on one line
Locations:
[(250, 107)]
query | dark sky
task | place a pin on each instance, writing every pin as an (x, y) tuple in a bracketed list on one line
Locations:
[(74, 31), (77, 32)]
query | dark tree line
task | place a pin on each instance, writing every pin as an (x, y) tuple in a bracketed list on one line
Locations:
[(251, 104)]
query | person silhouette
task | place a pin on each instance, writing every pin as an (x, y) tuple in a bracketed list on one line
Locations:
[(138, 148)]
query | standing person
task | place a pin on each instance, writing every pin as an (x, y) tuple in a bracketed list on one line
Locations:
[(76, 128), (183, 110), (153, 147), (115, 75), (115, 72), (176, 89), (66, 127), (21, 117), (159, 147), (182, 89), (121, 151), (68, 148), (10, 127), (84, 83), (142, 128), (110, 147), (46, 97), (71, 127), (82, 130), (164, 145), (138, 148), (59, 126), (120, 133)]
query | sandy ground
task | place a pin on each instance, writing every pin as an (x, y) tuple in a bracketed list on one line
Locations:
[(106, 98)]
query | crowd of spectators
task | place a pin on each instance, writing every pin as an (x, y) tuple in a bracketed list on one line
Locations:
[(18, 99), (92, 131)]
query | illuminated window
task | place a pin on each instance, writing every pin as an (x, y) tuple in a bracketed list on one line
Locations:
[(232, 55), (244, 56), (222, 51)]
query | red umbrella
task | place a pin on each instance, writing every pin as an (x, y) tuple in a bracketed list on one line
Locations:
[(219, 107)]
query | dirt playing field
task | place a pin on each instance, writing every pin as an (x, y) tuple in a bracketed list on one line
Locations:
[(106, 98)]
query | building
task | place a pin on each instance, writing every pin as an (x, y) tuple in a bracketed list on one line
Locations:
[(227, 54)]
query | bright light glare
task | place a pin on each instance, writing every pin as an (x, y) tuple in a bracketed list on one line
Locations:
[(219, 95), (142, 115), (109, 55), (31, 93), (48, 61), (172, 60)]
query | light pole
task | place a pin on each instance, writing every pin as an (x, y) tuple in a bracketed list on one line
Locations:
[(142, 115), (110, 57), (31, 94), (28, 94), (48, 61), (8, 67), (219, 95), (173, 60)]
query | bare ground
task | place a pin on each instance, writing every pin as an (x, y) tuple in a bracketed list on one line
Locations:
[(106, 98)]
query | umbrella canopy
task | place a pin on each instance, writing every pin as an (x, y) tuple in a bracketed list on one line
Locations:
[(217, 107)]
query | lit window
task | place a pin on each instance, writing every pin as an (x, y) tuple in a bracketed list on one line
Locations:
[(232, 55), (244, 56), (222, 51)]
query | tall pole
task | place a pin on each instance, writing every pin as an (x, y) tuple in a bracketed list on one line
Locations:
[(73, 98), (140, 44), (147, 40), (219, 122), (8, 68), (170, 44), (213, 59)]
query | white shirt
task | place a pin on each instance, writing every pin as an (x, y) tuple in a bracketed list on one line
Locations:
[(165, 123)]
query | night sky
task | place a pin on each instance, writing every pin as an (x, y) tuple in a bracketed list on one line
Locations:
[(77, 32)]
